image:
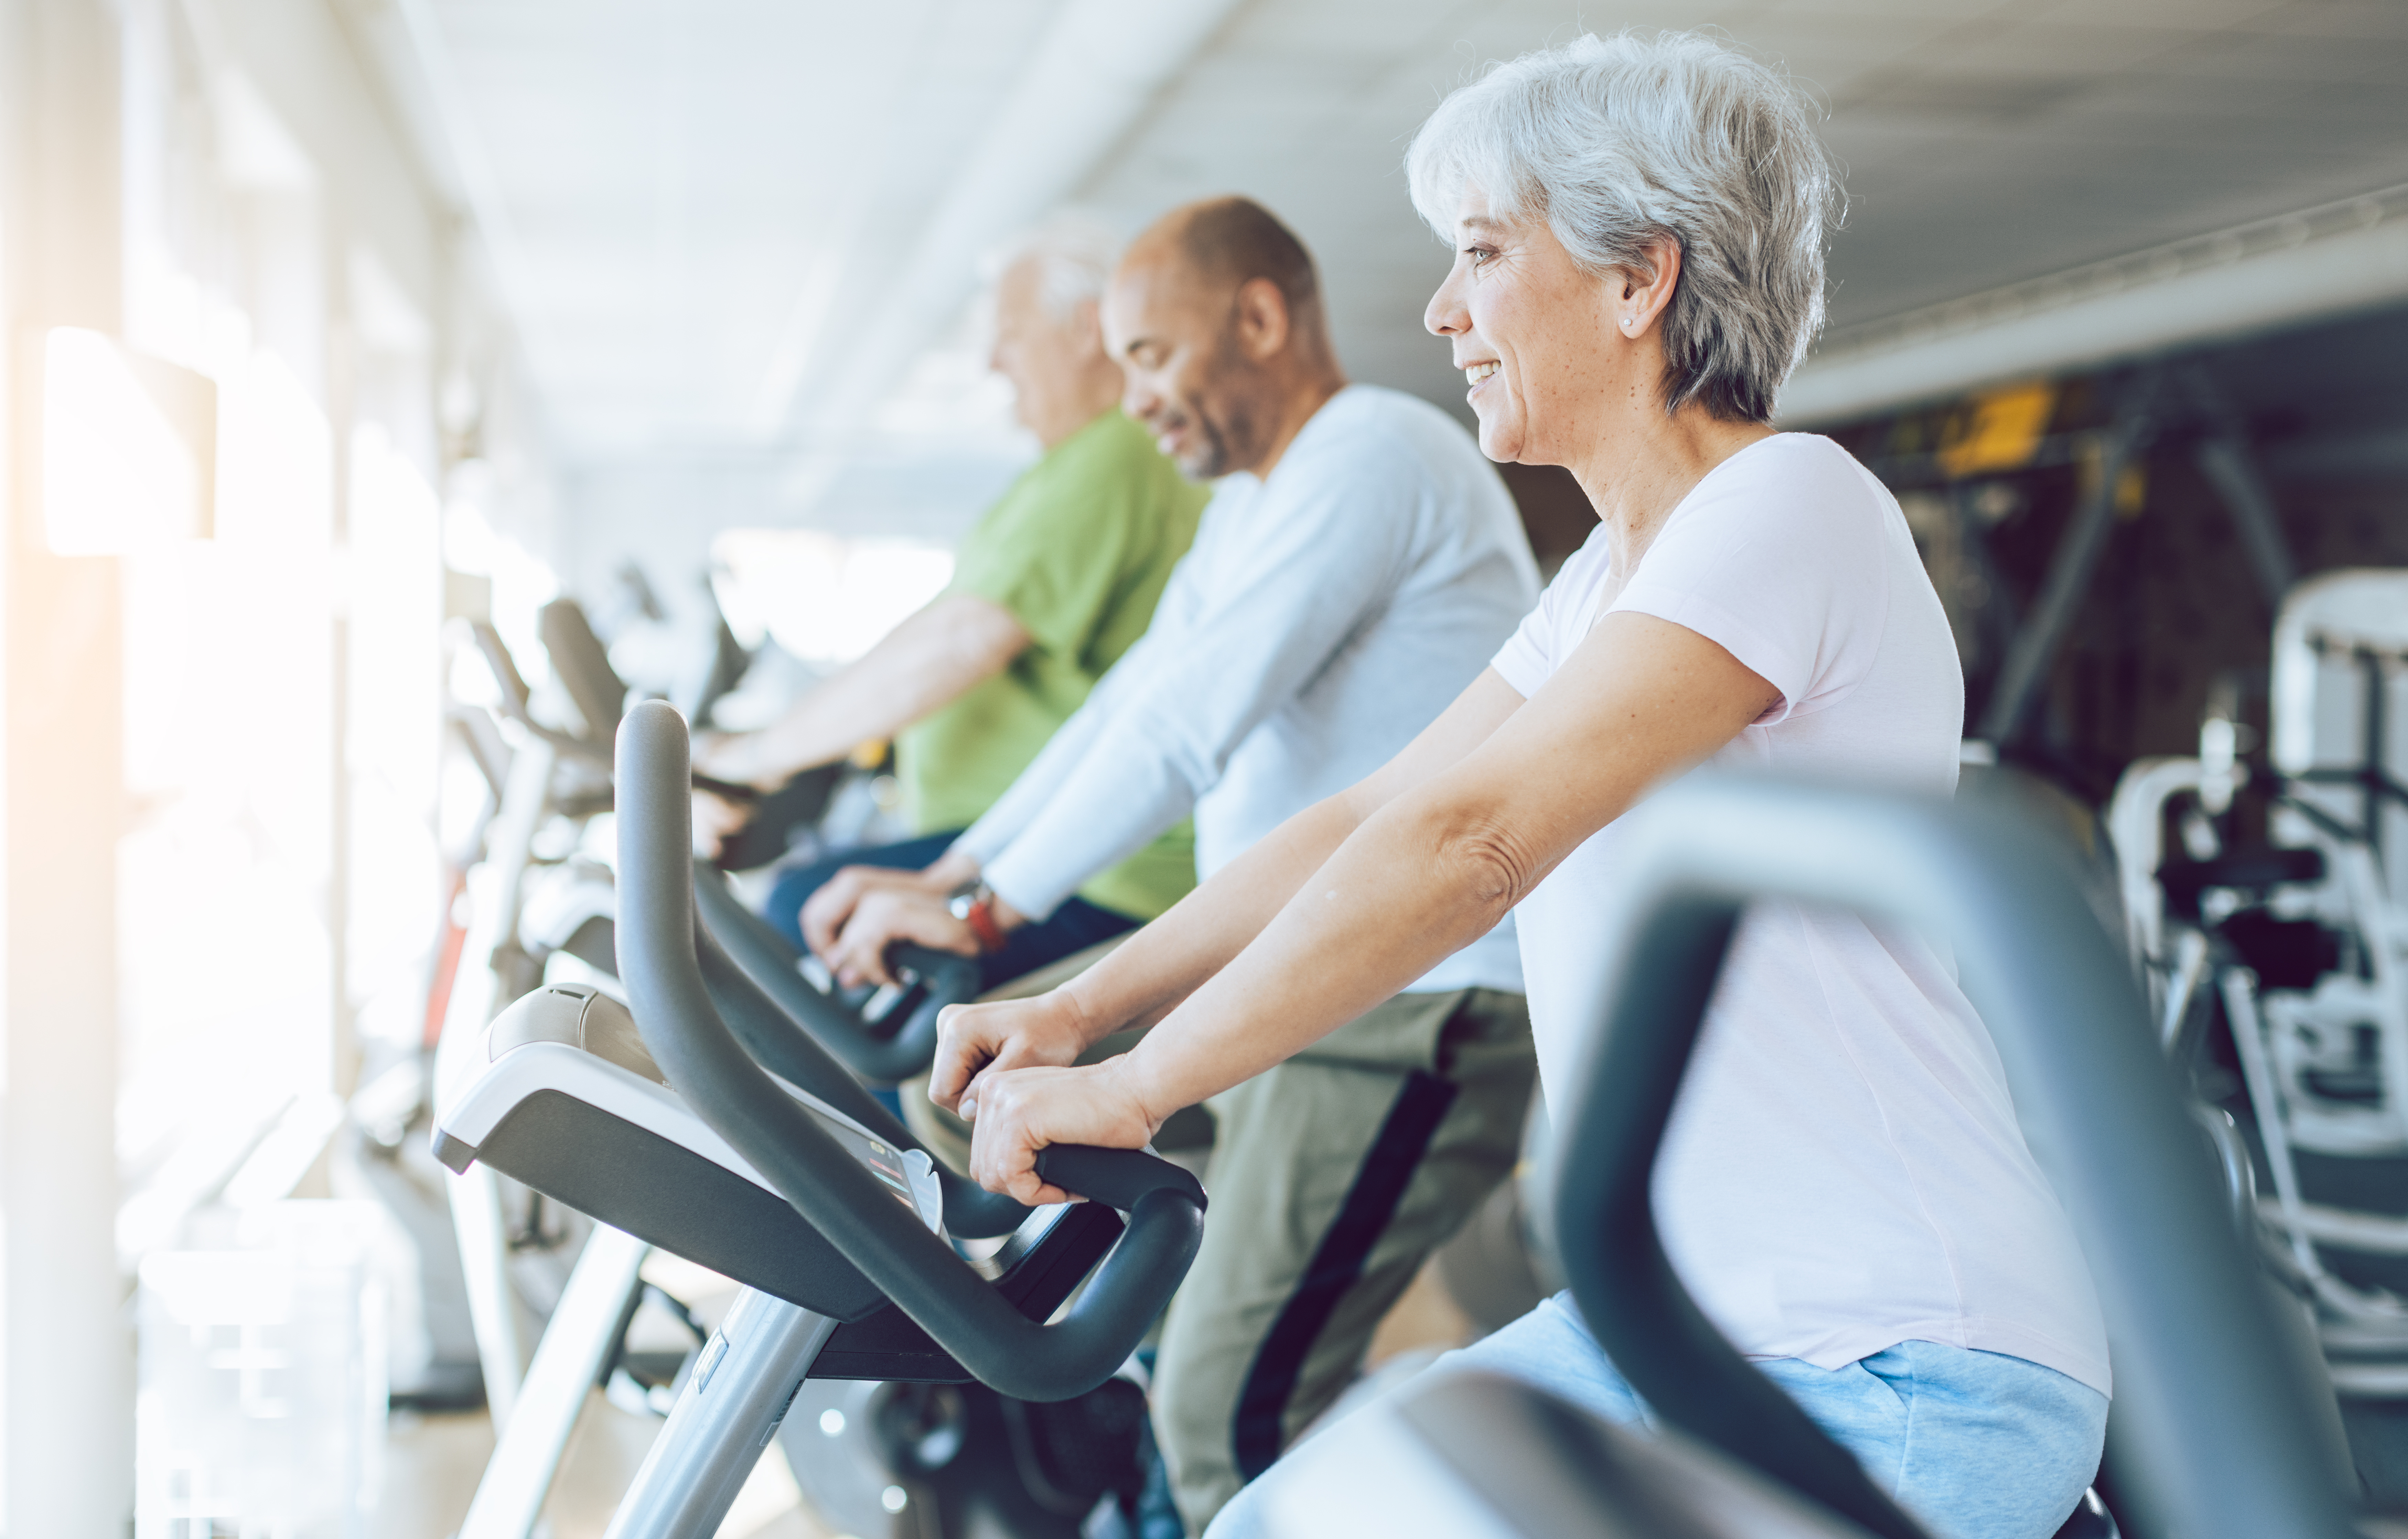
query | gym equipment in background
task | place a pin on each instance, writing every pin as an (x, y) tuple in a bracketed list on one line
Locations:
[(683, 1122), (539, 908), (554, 784), (2215, 1432), (582, 664), (2303, 942), (381, 1146)]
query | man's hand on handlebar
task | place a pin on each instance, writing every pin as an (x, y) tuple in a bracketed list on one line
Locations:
[(975, 1042), (1021, 1111), (733, 757), (723, 757), (716, 822), (886, 915), (827, 911)]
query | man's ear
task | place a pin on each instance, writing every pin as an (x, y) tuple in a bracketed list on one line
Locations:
[(1261, 318), (1086, 327)]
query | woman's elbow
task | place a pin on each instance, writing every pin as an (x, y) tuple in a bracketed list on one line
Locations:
[(1487, 865)]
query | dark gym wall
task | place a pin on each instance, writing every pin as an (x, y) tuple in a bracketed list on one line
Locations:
[(2174, 608)]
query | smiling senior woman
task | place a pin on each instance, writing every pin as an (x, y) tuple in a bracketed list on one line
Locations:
[(1638, 228)]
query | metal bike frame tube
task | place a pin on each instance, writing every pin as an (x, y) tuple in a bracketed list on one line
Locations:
[(2181, 988), (578, 1342), (482, 1236), (723, 1420), (475, 1202)]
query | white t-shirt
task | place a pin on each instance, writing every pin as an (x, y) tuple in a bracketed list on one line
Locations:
[(1843, 1170), (1324, 616)]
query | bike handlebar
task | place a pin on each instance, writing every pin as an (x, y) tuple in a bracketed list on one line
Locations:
[(770, 963), (779, 1044), (707, 1066)]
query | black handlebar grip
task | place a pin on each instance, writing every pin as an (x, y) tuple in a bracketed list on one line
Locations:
[(768, 833), (946, 978), (1115, 1178), (727, 791)]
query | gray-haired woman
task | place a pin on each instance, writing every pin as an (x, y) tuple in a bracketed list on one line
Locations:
[(1638, 228)]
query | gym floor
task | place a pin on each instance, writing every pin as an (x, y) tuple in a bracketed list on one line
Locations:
[(432, 1461)]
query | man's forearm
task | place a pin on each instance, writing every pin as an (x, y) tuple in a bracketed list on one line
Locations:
[(927, 662)]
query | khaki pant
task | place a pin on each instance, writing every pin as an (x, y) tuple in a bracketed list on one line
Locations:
[(1333, 1177)]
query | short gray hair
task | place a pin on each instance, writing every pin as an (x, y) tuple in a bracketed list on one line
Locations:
[(1074, 253), (1623, 140)]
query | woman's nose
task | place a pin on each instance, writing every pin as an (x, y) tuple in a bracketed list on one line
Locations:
[(1445, 316)]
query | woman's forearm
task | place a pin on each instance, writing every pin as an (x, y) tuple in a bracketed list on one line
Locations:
[(1164, 961), (1169, 959), (1404, 892), (1441, 864)]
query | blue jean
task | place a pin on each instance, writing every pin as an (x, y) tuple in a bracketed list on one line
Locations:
[(1073, 927), (1973, 1444)]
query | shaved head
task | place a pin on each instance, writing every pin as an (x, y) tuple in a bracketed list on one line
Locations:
[(1215, 316), (1226, 241)]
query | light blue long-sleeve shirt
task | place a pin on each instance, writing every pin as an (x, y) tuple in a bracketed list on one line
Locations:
[(1324, 616)]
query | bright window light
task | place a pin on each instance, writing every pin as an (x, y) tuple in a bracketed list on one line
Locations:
[(126, 448), (822, 597)]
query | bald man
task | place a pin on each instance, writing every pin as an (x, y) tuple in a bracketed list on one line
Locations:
[(1358, 565)]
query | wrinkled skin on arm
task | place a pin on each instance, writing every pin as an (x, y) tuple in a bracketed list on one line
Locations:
[(1348, 902)]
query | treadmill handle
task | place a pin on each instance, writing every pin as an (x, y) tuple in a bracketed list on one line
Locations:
[(707, 1066), (2213, 1429)]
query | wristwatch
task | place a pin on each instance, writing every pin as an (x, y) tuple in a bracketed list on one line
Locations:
[(974, 905)]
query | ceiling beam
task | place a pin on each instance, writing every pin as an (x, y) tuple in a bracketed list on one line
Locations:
[(2262, 276), (1098, 67)]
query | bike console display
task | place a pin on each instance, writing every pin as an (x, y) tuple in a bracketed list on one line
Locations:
[(568, 1102)]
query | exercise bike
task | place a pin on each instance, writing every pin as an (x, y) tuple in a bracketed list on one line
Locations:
[(684, 1122), (2303, 943)]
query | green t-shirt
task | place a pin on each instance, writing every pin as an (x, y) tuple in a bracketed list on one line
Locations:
[(1078, 549)]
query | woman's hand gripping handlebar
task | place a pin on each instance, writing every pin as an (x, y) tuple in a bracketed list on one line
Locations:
[(1010, 1069)]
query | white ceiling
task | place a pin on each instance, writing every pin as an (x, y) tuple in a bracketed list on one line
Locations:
[(700, 206), (690, 193)]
